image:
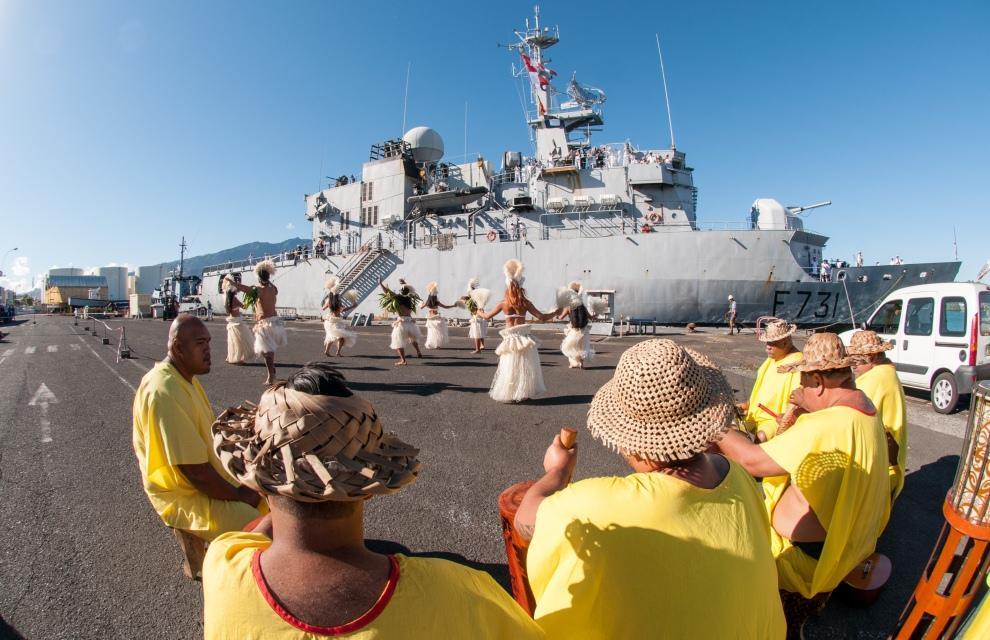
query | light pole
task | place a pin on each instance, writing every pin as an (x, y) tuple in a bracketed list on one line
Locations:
[(4, 261)]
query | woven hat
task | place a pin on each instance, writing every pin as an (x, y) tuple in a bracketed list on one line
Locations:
[(265, 266), (771, 329), (822, 352), (866, 343), (664, 403), (312, 448)]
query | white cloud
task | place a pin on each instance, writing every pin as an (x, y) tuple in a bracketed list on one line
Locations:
[(18, 276), (21, 266), (290, 226)]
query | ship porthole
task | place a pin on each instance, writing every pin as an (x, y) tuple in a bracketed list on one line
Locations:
[(840, 276)]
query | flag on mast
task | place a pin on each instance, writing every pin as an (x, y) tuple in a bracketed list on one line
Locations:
[(539, 76)]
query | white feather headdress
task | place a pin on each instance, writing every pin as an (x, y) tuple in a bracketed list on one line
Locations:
[(266, 266), (351, 296), (513, 271), (568, 298), (431, 288), (575, 285), (480, 297), (228, 283), (333, 282), (473, 283)]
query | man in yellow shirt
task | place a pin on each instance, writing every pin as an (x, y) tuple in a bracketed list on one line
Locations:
[(678, 549), (183, 479), (825, 478), (319, 451), (769, 400), (877, 378)]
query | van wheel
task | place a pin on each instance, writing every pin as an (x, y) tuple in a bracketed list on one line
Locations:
[(945, 396)]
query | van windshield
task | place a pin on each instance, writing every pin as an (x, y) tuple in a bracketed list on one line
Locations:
[(985, 313), (887, 318)]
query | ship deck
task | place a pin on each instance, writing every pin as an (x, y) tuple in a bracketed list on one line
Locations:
[(84, 550)]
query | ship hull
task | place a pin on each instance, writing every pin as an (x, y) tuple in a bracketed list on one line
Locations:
[(673, 277)]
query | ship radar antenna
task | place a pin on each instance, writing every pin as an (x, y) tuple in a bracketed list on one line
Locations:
[(666, 97)]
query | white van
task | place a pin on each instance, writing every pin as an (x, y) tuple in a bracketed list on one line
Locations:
[(941, 335)]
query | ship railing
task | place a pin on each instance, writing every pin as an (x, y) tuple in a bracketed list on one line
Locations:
[(585, 223)]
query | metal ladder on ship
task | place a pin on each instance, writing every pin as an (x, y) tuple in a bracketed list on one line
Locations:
[(350, 273)]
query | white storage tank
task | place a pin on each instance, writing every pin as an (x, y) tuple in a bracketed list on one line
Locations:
[(116, 282), (131, 284), (150, 278), (65, 271)]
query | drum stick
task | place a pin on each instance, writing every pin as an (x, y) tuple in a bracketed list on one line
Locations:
[(568, 437), (765, 408)]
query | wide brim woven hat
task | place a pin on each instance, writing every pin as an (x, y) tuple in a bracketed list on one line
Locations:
[(867, 343), (771, 329), (822, 352), (312, 448), (664, 403)]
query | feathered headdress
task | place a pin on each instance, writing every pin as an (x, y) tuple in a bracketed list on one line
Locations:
[(228, 283), (576, 286), (513, 271), (332, 283), (480, 297), (266, 267), (596, 306), (473, 283), (431, 288), (568, 298), (351, 296)]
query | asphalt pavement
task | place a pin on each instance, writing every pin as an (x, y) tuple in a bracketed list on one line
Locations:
[(86, 556)]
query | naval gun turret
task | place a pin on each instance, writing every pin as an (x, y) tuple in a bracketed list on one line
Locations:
[(769, 214)]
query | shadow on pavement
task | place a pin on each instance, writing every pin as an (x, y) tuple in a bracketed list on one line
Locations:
[(559, 400), (413, 388)]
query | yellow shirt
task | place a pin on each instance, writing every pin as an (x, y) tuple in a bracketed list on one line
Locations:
[(651, 555), (425, 598), (838, 459), (172, 420), (772, 390), (881, 386)]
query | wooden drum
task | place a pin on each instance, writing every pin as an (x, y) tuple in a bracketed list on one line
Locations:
[(970, 493), (515, 546)]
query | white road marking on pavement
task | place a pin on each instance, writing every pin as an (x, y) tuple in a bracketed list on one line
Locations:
[(42, 397), (138, 365), (8, 352), (2, 359), (75, 347), (107, 365), (52, 348), (29, 350)]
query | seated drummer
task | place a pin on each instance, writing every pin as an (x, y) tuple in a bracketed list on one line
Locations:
[(768, 401), (825, 478), (318, 452), (877, 378), (182, 477), (668, 550)]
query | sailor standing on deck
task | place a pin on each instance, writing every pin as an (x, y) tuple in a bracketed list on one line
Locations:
[(269, 331), (519, 376)]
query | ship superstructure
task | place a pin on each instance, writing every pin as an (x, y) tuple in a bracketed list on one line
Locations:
[(620, 218)]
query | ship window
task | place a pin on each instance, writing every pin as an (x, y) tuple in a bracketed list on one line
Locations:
[(952, 322), (920, 317), (376, 215), (887, 319)]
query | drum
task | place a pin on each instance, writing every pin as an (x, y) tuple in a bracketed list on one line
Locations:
[(970, 493), (515, 546)]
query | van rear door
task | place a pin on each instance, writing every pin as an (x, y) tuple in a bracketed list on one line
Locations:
[(983, 339), (916, 353)]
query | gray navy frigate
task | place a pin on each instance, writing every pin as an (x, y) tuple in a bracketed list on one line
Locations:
[(619, 218)]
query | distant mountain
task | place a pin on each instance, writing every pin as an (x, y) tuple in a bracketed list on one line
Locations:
[(152, 275)]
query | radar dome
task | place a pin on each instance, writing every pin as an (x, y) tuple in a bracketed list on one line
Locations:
[(425, 143)]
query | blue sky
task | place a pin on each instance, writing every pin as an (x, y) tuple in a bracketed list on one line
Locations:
[(124, 125)]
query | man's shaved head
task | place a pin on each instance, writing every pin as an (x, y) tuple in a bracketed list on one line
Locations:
[(189, 345)]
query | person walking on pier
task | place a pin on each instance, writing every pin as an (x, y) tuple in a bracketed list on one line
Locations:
[(731, 316), (184, 480)]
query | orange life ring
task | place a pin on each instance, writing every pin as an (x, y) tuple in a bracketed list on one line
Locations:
[(653, 217), (491, 236)]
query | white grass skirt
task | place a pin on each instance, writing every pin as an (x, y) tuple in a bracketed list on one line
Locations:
[(240, 342), (269, 335), (577, 346), (478, 329), (436, 333), (404, 333), (336, 328), (519, 375)]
